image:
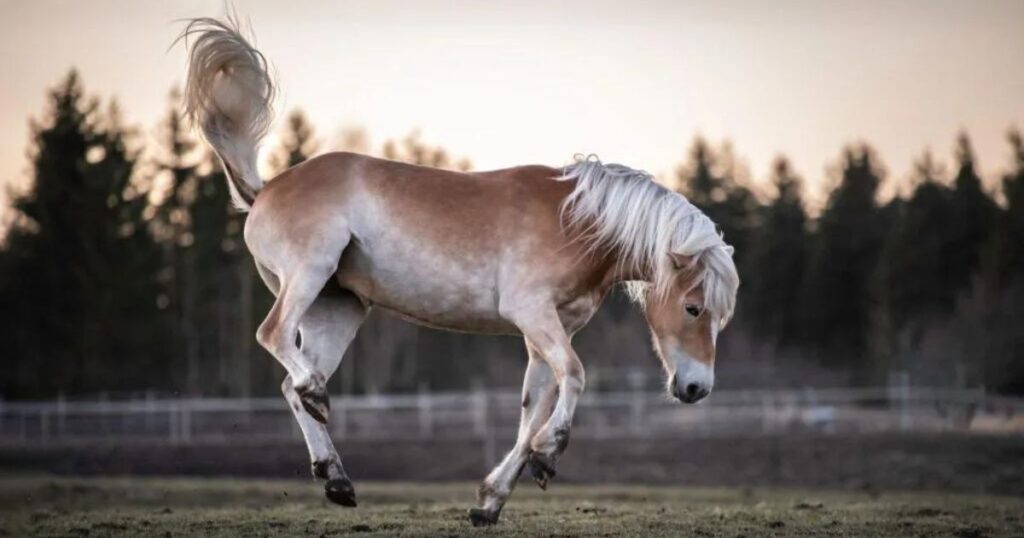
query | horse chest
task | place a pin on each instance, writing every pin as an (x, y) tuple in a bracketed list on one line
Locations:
[(576, 312)]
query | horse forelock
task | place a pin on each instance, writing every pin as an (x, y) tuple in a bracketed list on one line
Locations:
[(622, 209)]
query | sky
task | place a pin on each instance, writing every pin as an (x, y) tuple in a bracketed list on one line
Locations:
[(507, 83)]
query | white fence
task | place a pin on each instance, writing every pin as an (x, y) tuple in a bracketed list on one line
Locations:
[(489, 415)]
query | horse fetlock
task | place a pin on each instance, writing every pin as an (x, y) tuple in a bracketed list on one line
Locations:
[(340, 491), (542, 468), (327, 469), (561, 440), (485, 493), (313, 395), (546, 448), (492, 496)]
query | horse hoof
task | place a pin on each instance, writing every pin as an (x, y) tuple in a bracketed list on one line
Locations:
[(482, 518), (542, 468), (341, 492), (314, 400)]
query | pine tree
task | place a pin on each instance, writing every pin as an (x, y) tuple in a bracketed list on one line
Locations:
[(412, 149), (987, 326), (712, 181), (778, 252), (915, 284), (974, 213), (1010, 239), (208, 274), (173, 227), (838, 299), (297, 143), (78, 267)]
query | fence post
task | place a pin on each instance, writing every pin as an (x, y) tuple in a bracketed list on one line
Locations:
[(906, 418), (127, 408), (490, 446), (899, 390), (62, 410), (479, 408), (426, 411), (150, 410), (482, 427), (44, 426), (953, 418), (172, 420), (341, 416), (186, 422), (637, 378), (766, 412), (104, 401)]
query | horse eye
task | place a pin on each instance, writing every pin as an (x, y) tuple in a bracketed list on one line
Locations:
[(692, 310)]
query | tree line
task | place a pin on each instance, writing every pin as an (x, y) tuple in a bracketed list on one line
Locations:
[(123, 269)]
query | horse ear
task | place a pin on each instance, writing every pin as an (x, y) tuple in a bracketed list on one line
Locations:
[(680, 261)]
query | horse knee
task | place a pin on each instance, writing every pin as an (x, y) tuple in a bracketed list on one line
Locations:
[(575, 377)]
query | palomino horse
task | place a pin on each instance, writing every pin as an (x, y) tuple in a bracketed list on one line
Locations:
[(530, 251)]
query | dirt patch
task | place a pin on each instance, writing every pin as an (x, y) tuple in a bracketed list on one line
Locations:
[(225, 507)]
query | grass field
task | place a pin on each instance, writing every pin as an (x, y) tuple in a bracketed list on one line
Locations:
[(55, 506)]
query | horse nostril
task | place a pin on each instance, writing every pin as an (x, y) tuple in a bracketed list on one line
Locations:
[(692, 389)]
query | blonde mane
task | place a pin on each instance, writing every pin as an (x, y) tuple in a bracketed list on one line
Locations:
[(616, 207)]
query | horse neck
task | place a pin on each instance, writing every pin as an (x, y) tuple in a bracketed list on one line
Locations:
[(620, 271)]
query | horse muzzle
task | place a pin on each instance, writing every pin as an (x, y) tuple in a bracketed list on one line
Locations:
[(692, 381)]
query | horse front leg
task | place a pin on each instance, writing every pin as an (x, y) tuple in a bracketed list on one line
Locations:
[(544, 332), (538, 400)]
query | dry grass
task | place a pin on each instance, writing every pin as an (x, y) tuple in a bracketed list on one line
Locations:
[(49, 506)]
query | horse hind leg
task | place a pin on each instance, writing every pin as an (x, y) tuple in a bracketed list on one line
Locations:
[(326, 464), (300, 283), (327, 329), (278, 334)]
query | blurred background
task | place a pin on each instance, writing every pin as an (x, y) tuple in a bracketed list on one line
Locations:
[(865, 159)]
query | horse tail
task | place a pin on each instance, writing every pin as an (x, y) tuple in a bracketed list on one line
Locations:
[(229, 95)]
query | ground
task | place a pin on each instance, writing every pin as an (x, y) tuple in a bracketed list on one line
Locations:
[(37, 505), (881, 461)]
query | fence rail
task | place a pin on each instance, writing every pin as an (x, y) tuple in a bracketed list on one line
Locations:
[(488, 415)]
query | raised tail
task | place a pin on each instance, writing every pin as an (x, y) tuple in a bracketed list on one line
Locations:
[(229, 95)]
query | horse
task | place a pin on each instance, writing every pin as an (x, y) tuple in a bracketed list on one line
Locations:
[(530, 251)]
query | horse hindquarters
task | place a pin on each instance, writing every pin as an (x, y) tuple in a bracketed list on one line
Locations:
[(298, 256)]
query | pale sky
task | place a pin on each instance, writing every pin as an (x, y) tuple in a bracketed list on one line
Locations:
[(533, 82)]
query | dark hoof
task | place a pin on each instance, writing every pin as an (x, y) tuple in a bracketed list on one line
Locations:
[(314, 400), (482, 518), (340, 491), (542, 468)]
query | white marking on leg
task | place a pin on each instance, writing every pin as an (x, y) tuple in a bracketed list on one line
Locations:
[(539, 398)]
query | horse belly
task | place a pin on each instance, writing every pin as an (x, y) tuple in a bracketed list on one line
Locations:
[(427, 288)]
